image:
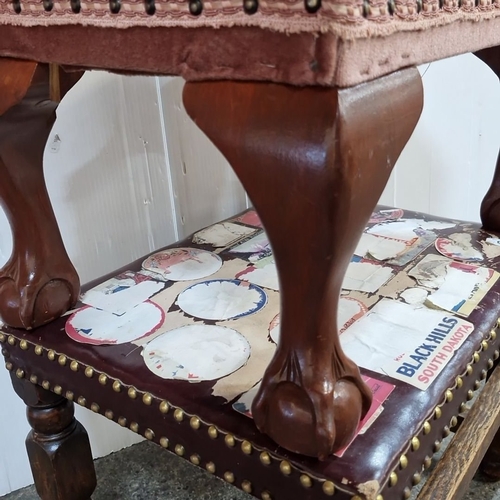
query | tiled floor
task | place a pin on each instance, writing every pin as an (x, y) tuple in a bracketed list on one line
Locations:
[(146, 472)]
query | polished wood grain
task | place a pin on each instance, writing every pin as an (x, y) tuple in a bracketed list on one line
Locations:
[(314, 163), (58, 445), (454, 471), (38, 283)]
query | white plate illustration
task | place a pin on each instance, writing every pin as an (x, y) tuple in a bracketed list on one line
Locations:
[(183, 264), (196, 353), (219, 300), (94, 326)]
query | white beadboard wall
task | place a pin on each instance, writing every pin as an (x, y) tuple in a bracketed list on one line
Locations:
[(128, 172)]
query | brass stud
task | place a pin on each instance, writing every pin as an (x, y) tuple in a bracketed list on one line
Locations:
[(38, 350), (437, 446), (108, 414), (164, 407), (416, 478), (70, 395), (403, 462), (81, 401), (122, 421), (490, 364), (379, 497), (24, 345), (164, 442), (178, 415), (95, 407), (427, 462), (149, 434), (147, 399), (117, 387), (265, 495), (62, 360), (250, 6), (246, 447), (132, 393), (89, 372), (448, 395), (229, 477), (470, 395), (469, 369), (210, 466), (2, 338), (179, 449), (406, 493), (11, 340), (195, 459), (460, 382), (74, 366), (229, 440), (498, 322), (265, 458), (427, 428), (328, 488), (285, 468), (484, 345), (305, 481), (477, 385), (437, 412), (103, 379), (20, 373), (195, 7), (246, 486), (58, 390), (415, 443), (446, 431), (312, 6), (195, 423), (212, 432), (462, 408), (46, 385), (51, 355), (496, 354), (476, 357), (9, 366), (134, 426), (393, 479), (484, 374), (493, 334), (34, 379)]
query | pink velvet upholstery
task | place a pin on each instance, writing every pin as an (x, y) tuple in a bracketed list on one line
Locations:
[(311, 42)]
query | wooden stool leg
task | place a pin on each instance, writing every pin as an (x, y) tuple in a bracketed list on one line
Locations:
[(39, 282), (314, 162), (58, 446)]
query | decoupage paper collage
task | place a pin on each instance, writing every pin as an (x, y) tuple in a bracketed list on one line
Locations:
[(210, 310)]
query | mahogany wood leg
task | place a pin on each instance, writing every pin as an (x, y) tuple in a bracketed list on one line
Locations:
[(38, 283), (490, 207), (58, 445), (490, 216), (314, 162)]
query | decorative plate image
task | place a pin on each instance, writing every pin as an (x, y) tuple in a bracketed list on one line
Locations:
[(94, 326), (196, 353), (183, 264), (219, 300)]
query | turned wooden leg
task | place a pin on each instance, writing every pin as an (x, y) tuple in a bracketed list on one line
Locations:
[(58, 446), (38, 283), (314, 162)]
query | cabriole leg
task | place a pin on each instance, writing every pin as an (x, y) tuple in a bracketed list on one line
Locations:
[(314, 162), (38, 283)]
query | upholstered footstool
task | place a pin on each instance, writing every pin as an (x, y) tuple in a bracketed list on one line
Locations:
[(175, 345)]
